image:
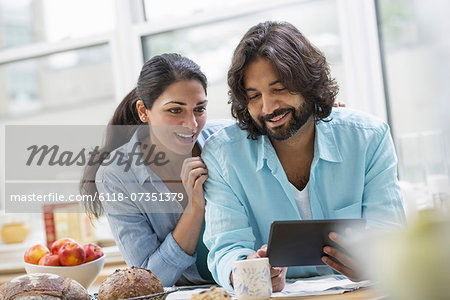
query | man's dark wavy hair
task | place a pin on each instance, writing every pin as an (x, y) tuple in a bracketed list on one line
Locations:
[(300, 66)]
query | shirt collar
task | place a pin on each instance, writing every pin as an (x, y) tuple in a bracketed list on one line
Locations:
[(266, 154), (325, 143), (142, 172), (325, 146)]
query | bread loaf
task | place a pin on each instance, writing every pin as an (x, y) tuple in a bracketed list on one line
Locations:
[(128, 283), (40, 286)]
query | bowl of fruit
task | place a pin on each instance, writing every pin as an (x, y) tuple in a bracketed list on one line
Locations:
[(66, 258)]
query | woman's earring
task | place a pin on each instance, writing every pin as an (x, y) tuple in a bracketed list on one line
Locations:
[(143, 118)]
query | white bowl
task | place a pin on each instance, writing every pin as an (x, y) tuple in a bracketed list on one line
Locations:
[(85, 273)]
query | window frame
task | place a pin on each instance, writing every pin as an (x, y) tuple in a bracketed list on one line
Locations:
[(359, 41)]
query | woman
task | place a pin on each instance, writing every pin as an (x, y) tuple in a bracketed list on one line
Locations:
[(152, 232)]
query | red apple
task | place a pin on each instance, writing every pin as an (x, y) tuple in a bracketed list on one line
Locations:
[(49, 260), (34, 254), (92, 252), (71, 254), (59, 243)]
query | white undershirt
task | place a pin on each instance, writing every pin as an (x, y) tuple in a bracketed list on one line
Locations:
[(302, 200), (304, 207)]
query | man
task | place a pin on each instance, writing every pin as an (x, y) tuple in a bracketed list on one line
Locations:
[(291, 157)]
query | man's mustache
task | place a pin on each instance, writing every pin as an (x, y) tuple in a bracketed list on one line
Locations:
[(277, 112)]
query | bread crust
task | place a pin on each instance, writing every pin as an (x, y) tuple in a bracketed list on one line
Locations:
[(42, 286), (128, 283)]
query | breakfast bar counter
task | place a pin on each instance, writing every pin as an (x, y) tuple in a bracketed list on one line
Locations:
[(110, 267), (360, 294)]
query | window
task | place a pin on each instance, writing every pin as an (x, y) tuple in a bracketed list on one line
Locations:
[(25, 22), (56, 80), (211, 44), (156, 10), (416, 47)]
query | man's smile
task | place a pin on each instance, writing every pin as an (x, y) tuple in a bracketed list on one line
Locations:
[(278, 120)]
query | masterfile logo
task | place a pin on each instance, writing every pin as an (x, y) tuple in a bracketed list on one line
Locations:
[(45, 164)]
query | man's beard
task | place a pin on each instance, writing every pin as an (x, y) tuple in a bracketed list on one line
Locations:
[(280, 133)]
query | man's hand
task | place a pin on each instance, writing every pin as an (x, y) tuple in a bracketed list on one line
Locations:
[(278, 275), (342, 262)]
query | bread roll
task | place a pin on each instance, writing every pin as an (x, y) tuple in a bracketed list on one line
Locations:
[(40, 286), (213, 293), (128, 283)]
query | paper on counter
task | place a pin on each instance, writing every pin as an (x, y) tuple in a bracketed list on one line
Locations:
[(321, 285), (185, 294)]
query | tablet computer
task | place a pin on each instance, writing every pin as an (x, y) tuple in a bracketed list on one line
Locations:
[(300, 243)]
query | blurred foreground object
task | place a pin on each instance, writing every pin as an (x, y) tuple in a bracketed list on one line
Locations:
[(415, 264)]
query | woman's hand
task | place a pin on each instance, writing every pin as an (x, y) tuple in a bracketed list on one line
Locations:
[(187, 232), (193, 175)]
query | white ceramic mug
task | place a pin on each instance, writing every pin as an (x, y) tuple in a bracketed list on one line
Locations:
[(251, 279)]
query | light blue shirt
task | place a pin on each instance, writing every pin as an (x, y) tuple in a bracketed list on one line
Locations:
[(353, 174), (142, 229)]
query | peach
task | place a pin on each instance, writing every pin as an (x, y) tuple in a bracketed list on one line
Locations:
[(49, 260), (59, 243), (71, 254), (92, 252), (35, 253)]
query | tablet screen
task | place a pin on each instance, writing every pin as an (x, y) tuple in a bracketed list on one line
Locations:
[(300, 243)]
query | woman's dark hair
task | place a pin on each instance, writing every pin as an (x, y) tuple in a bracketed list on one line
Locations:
[(156, 75), (300, 66)]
